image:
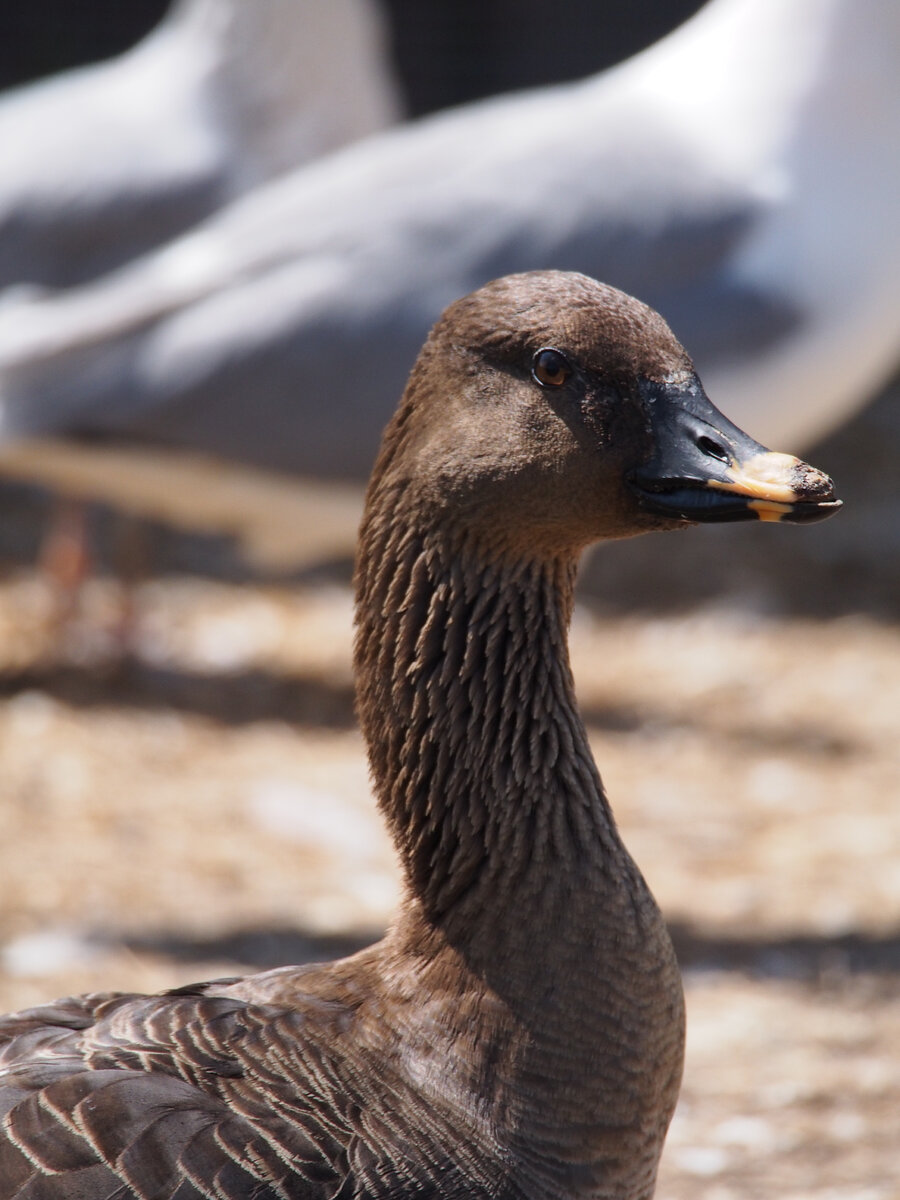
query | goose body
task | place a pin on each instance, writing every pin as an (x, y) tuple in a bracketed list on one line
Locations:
[(519, 1031)]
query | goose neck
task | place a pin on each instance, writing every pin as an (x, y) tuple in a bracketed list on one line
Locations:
[(479, 757), (523, 905)]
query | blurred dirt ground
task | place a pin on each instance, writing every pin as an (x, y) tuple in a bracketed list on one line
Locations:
[(204, 808)]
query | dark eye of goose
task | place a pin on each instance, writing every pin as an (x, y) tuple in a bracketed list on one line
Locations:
[(550, 368)]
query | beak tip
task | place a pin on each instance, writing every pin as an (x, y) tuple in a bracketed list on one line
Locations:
[(811, 484)]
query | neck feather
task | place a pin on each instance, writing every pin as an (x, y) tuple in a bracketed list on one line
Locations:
[(479, 757), (523, 905)]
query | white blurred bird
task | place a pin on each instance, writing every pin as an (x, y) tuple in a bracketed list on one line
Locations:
[(106, 162), (741, 176)]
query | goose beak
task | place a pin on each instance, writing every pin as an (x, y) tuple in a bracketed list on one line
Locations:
[(703, 468)]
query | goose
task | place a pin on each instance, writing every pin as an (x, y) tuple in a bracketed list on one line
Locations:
[(740, 175), (107, 162), (519, 1031)]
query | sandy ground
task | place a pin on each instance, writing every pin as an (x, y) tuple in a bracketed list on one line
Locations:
[(205, 808)]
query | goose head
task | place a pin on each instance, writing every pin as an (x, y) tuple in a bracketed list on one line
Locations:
[(548, 411)]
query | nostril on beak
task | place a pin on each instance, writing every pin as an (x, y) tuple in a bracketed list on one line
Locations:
[(713, 449)]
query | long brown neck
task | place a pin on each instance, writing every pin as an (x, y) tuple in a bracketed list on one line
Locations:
[(480, 759), (515, 870)]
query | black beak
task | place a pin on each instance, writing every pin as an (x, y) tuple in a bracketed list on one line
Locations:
[(705, 469)]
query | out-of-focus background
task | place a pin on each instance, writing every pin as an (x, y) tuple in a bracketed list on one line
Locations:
[(183, 791), (445, 53)]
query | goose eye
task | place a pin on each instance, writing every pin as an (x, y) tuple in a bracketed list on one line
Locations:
[(550, 368)]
